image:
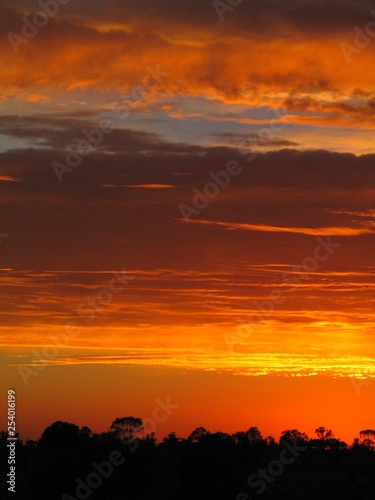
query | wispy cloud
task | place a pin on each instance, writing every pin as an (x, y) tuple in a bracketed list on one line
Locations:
[(140, 186), (8, 178), (309, 231), (287, 364)]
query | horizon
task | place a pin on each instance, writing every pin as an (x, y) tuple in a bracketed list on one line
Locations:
[(265, 437)]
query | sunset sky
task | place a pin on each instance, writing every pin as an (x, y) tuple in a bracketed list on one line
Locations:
[(171, 94)]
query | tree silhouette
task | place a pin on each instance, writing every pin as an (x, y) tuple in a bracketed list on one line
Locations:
[(326, 439), (127, 427), (198, 434), (253, 435), (294, 435), (204, 465), (4, 435), (323, 433), (367, 438), (171, 439), (64, 435)]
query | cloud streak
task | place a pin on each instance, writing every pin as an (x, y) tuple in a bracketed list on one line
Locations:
[(254, 365), (308, 231)]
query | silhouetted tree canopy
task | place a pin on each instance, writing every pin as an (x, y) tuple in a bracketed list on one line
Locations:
[(64, 435), (294, 435), (127, 427), (131, 465), (323, 433), (367, 438)]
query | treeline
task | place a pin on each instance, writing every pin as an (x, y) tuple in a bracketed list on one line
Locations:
[(69, 462)]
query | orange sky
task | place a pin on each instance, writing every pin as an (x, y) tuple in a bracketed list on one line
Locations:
[(267, 92)]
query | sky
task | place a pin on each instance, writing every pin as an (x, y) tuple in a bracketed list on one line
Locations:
[(187, 214)]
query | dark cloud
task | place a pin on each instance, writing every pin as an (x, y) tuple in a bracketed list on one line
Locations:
[(250, 16), (79, 224), (122, 147), (63, 133), (252, 140), (113, 42)]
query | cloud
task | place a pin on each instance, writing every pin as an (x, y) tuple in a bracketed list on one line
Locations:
[(308, 231), (252, 139), (140, 186), (368, 214), (271, 17), (8, 178), (279, 189), (59, 133), (201, 55), (286, 364)]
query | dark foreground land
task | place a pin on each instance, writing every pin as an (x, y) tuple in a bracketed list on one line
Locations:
[(125, 464)]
